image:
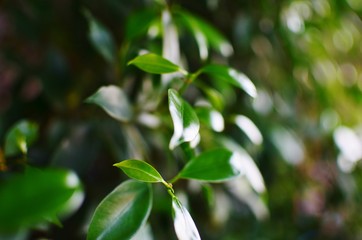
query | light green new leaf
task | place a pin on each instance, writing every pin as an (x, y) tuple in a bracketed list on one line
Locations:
[(139, 170), (114, 101), (213, 166), (19, 137), (153, 63), (185, 122), (37, 196), (185, 227), (122, 212), (101, 38), (232, 76)]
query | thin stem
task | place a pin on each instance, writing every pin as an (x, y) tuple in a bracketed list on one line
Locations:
[(174, 179)]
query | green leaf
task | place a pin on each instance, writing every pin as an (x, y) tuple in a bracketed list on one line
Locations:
[(231, 76), (19, 137), (101, 38), (212, 166), (153, 63), (185, 121), (185, 227), (205, 35), (122, 213), (114, 101), (138, 23), (36, 196), (139, 170), (211, 118)]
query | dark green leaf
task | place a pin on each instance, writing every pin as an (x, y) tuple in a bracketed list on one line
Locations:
[(123, 212), (114, 101), (36, 196), (205, 35), (19, 137), (185, 121), (153, 63), (101, 38), (139, 170), (212, 166), (138, 24), (185, 227), (232, 76)]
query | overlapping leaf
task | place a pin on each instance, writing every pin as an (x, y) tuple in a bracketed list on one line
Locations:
[(213, 166), (185, 121), (232, 76), (123, 212)]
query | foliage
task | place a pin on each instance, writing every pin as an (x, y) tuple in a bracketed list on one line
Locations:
[(234, 120)]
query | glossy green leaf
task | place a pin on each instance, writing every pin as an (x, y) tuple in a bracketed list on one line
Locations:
[(185, 227), (122, 212), (114, 101), (249, 128), (101, 38), (36, 196), (232, 76), (250, 169), (19, 137), (153, 63), (185, 121), (139, 170), (211, 118), (205, 35), (138, 23), (213, 166)]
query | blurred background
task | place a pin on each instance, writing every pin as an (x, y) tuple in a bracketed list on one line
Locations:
[(305, 58)]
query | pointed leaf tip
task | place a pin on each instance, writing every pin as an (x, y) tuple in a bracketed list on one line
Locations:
[(153, 63), (139, 170)]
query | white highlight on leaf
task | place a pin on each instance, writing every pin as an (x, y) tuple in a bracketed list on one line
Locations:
[(249, 128), (244, 82), (217, 121), (170, 47), (246, 165), (349, 143), (202, 43), (72, 180), (185, 227), (226, 49), (289, 145)]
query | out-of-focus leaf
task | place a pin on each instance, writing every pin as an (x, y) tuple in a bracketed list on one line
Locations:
[(36, 196), (185, 121), (101, 38), (250, 169), (139, 170), (153, 63), (19, 137), (114, 101), (185, 227), (122, 212), (170, 44), (232, 76), (205, 35), (211, 118), (215, 98), (212, 166), (138, 23), (144, 233), (249, 128)]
